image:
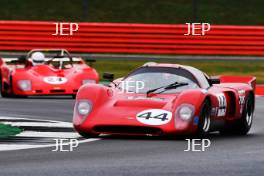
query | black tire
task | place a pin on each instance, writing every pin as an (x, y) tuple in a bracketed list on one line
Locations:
[(4, 94), (242, 125), (204, 120)]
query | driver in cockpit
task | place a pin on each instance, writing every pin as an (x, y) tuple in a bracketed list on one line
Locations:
[(38, 58)]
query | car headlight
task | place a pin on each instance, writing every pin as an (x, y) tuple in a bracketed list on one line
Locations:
[(85, 81), (24, 85), (185, 112), (84, 108)]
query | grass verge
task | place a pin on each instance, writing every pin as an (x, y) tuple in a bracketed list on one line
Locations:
[(212, 68), (137, 11)]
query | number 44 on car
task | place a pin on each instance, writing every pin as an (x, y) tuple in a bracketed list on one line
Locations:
[(175, 99)]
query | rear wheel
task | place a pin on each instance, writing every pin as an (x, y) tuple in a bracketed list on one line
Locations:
[(204, 120), (242, 125)]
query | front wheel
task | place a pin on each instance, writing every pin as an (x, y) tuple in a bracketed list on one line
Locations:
[(4, 93), (204, 120)]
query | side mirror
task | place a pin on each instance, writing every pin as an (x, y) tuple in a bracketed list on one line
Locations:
[(108, 76), (214, 81)]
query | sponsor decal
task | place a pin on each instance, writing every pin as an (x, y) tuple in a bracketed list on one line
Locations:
[(154, 117), (196, 120), (55, 80), (241, 92), (241, 99), (222, 104)]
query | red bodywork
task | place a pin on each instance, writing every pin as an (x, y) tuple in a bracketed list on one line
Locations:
[(45, 79), (115, 112)]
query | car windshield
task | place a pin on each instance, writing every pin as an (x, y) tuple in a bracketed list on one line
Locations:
[(147, 78)]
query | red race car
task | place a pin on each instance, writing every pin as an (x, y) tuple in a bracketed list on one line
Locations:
[(44, 72), (165, 99)]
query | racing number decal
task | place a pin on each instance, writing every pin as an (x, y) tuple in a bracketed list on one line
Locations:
[(241, 100), (222, 105), (148, 115), (154, 117), (55, 80)]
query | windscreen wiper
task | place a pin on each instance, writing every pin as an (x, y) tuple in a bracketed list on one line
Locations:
[(168, 87)]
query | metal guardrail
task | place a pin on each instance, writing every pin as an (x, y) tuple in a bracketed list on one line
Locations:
[(133, 39)]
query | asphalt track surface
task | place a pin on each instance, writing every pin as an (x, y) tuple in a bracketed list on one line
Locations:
[(131, 156)]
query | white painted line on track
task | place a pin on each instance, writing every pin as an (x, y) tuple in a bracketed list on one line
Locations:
[(9, 147), (30, 139), (24, 118), (49, 134), (38, 124), (27, 116)]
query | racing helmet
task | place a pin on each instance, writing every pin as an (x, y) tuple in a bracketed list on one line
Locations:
[(38, 58)]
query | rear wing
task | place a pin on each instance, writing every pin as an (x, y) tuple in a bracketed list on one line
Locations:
[(250, 80)]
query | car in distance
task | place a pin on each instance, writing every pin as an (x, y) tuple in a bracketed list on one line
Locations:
[(44, 72), (174, 100)]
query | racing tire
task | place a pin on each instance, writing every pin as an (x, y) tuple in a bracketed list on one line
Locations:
[(243, 124), (4, 94), (204, 120)]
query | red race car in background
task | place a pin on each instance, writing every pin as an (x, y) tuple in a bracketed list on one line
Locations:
[(44, 72), (165, 99)]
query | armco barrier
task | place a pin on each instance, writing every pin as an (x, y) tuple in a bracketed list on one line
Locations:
[(133, 38)]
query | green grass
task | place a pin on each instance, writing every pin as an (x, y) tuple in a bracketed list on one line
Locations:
[(136, 11), (8, 130), (253, 68)]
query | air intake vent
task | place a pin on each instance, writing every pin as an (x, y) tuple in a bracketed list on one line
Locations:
[(128, 130), (39, 91), (57, 91), (75, 90)]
